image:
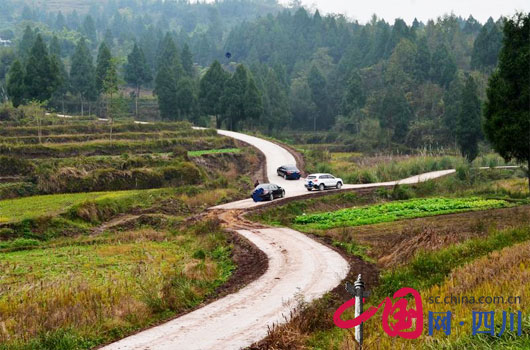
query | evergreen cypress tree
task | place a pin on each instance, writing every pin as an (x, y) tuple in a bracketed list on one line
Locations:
[(252, 103), (137, 72), (423, 60), (168, 75), (89, 29), (166, 91), (507, 113), (185, 97), (42, 74), (15, 83), (468, 127), (233, 97), (443, 67), (103, 64), (25, 45), (317, 84), (211, 89), (82, 76), (354, 96), (187, 61), (486, 46)]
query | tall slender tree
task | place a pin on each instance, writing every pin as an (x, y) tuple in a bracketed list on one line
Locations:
[(252, 103), (317, 84), (42, 74), (110, 87), (468, 127), (166, 91), (15, 83), (211, 89), (82, 80), (168, 74), (25, 45), (233, 97), (443, 66), (507, 109), (187, 61), (137, 72), (103, 64)]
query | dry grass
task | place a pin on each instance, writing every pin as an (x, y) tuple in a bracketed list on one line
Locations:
[(107, 287)]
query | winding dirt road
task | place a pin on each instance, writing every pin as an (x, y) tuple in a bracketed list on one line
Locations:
[(299, 269)]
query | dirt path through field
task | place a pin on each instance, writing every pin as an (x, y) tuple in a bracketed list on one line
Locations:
[(300, 268)]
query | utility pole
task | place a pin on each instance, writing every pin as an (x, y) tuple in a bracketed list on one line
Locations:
[(358, 292)]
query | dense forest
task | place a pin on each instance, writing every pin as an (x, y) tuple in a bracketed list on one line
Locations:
[(255, 65)]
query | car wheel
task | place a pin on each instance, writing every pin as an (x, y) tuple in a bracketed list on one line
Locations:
[(339, 185), (271, 197), (321, 187), (309, 189), (283, 194)]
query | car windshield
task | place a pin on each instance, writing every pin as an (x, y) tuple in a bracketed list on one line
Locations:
[(291, 168), (311, 177), (264, 186)]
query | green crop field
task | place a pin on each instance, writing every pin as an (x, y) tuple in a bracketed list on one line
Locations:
[(12, 210), (387, 212)]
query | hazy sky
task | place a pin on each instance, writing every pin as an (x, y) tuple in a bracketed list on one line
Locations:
[(422, 9)]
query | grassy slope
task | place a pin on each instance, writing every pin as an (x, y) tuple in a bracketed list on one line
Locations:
[(81, 295), (70, 282), (423, 271), (13, 210)]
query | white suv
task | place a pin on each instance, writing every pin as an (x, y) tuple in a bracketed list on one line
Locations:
[(322, 181)]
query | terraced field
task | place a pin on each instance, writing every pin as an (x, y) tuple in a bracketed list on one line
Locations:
[(94, 242)]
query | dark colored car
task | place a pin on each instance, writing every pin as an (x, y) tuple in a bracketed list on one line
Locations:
[(267, 192), (289, 172)]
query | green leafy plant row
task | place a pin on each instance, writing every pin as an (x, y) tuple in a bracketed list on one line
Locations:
[(393, 211)]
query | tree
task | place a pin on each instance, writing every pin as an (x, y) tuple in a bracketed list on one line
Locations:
[(89, 30), (395, 114), (354, 96), (301, 102), (82, 80), (15, 83), (487, 46), (103, 64), (252, 104), (185, 97), (276, 109), (166, 91), (110, 87), (234, 96), (25, 45), (187, 61), (168, 74), (137, 72), (507, 109), (452, 105), (211, 89), (64, 81), (468, 127), (423, 60), (60, 22), (443, 67), (317, 85), (55, 47), (42, 74)]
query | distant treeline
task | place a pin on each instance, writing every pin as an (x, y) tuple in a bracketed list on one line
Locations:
[(377, 84)]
